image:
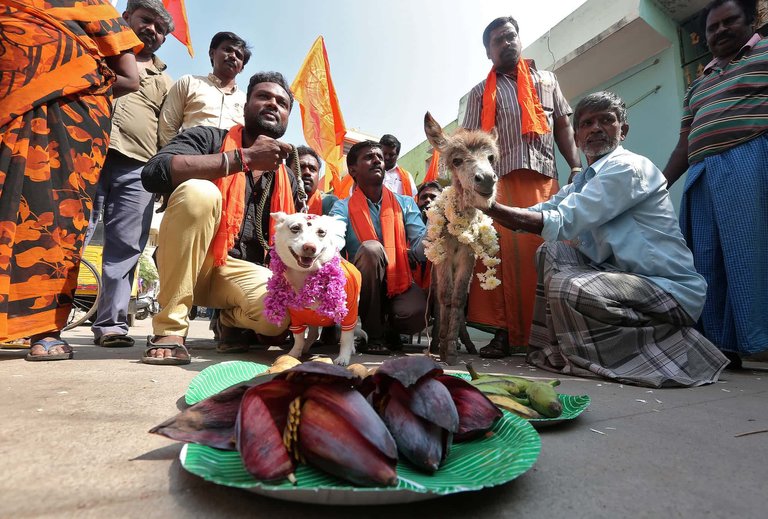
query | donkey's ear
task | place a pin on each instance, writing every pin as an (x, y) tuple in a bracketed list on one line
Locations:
[(435, 134), (495, 134)]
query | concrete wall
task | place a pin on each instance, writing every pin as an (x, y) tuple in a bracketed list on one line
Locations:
[(653, 91), (630, 47)]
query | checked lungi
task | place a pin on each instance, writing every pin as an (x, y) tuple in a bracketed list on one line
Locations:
[(589, 320), (724, 218)]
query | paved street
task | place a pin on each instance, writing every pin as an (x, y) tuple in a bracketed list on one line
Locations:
[(74, 443)]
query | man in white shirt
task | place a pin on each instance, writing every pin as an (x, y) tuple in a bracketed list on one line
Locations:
[(396, 179), (617, 293), (212, 100)]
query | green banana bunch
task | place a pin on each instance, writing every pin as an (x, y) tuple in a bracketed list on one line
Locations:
[(526, 398)]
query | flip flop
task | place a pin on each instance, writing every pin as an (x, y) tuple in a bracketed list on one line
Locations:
[(115, 340), (48, 343), (15, 344), (165, 361)]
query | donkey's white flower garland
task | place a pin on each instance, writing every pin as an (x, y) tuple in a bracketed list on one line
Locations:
[(478, 232)]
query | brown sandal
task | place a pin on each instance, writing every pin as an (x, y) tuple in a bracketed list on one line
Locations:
[(497, 348), (165, 361)]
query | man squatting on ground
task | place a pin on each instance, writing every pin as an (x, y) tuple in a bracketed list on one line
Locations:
[(383, 229), (214, 236), (617, 292)]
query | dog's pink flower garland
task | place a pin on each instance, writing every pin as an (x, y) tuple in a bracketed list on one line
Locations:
[(324, 288)]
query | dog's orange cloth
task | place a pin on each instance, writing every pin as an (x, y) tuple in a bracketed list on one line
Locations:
[(393, 228), (315, 203), (405, 179), (532, 116), (300, 319), (232, 190)]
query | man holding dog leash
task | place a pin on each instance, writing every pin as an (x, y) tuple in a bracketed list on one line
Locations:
[(213, 241)]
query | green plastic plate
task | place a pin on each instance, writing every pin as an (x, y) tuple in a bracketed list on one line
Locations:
[(573, 406), (510, 450)]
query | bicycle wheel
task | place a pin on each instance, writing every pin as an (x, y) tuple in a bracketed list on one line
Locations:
[(84, 306)]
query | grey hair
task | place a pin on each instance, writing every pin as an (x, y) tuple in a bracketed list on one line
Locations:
[(157, 7), (598, 102)]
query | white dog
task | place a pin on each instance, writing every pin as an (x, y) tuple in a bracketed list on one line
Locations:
[(317, 279)]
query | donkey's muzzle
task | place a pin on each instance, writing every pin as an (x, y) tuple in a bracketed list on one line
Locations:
[(484, 184)]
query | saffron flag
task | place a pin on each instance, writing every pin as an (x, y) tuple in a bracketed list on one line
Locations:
[(432, 172), (179, 14), (321, 117)]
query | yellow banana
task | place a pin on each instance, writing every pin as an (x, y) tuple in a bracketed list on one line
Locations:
[(513, 406)]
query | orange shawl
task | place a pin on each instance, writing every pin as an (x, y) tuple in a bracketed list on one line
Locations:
[(532, 116), (315, 203), (393, 229), (405, 178), (233, 201)]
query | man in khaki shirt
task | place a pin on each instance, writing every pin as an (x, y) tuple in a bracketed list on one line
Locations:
[(126, 206), (212, 100)]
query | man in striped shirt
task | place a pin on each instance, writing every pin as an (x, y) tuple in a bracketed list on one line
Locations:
[(724, 147), (527, 175)]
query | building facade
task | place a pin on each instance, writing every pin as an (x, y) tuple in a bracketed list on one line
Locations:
[(646, 51)]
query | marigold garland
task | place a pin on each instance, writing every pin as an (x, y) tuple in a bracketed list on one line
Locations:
[(323, 291), (477, 231)]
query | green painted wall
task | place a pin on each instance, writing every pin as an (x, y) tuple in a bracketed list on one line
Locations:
[(415, 160), (653, 92)]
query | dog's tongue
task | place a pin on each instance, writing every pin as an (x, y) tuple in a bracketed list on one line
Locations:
[(305, 261)]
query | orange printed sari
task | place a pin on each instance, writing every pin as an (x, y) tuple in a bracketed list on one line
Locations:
[(55, 109)]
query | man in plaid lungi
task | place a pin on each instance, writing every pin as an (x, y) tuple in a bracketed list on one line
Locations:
[(617, 291), (724, 147)]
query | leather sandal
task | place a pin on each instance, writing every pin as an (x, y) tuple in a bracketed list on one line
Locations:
[(172, 361), (497, 348)]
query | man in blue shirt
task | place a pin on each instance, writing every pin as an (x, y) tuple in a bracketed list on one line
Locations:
[(617, 293), (384, 230)]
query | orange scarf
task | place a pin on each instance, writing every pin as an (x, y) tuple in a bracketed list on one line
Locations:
[(315, 203), (405, 178), (532, 116), (233, 201), (393, 229), (434, 165)]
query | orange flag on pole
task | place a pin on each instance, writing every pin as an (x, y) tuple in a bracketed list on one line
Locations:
[(321, 117), (179, 14), (432, 172)]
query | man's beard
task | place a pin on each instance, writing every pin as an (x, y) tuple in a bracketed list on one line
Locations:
[(592, 150), (258, 126)]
